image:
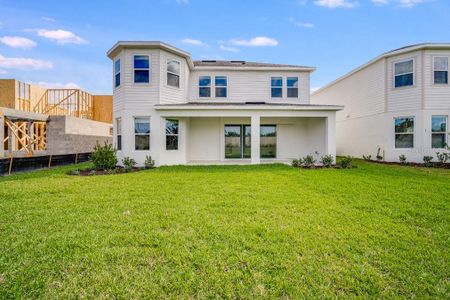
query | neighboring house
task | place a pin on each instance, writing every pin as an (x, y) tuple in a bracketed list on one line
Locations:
[(181, 111), (399, 102)]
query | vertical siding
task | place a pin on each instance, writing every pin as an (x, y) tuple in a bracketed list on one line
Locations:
[(251, 86), (405, 98), (362, 94), (436, 96)]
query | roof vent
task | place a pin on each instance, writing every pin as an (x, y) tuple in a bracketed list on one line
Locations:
[(209, 61), (238, 62)]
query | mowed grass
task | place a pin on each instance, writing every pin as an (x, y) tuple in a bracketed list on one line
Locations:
[(266, 231)]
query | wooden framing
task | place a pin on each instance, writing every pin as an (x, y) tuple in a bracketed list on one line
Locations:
[(66, 102)]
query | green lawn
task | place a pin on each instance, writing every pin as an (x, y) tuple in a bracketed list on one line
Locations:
[(227, 232)]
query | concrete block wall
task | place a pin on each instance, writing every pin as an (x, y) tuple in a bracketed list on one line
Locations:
[(72, 135)]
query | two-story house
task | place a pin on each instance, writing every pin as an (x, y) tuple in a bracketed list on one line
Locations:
[(398, 102), (181, 111)]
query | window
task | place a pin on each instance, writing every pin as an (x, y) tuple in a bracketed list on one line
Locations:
[(119, 133), (220, 83), (440, 68), (204, 86), (141, 69), (117, 73), (171, 134), (404, 132), (438, 131), (276, 87), (237, 141), (268, 141), (173, 73), (404, 73), (141, 133), (292, 87)]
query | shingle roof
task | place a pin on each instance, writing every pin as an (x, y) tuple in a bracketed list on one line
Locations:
[(241, 64)]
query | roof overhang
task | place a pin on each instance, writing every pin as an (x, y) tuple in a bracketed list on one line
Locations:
[(120, 45), (283, 69)]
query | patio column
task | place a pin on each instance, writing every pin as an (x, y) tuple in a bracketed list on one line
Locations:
[(331, 134), (2, 134), (255, 139)]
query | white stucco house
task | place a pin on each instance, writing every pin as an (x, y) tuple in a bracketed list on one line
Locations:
[(181, 111), (399, 102)]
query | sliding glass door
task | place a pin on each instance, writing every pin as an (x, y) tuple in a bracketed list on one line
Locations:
[(237, 141), (268, 141)]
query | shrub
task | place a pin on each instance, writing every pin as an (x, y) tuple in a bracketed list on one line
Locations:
[(346, 162), (442, 157), (104, 157), (149, 162), (367, 157), (327, 160), (128, 163), (308, 161), (295, 163), (427, 160), (402, 158), (379, 156)]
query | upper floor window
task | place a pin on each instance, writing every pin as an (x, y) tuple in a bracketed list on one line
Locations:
[(221, 83), (440, 69), (292, 87), (142, 133), (276, 87), (404, 73), (173, 73), (438, 131), (117, 73), (171, 134), (119, 133), (204, 86), (141, 69), (404, 132)]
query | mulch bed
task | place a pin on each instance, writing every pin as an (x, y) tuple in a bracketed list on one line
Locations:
[(412, 164), (93, 172)]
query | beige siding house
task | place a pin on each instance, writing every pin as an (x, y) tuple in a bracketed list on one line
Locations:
[(398, 102), (181, 111)]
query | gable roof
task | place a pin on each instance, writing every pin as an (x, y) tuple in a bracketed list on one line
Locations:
[(402, 50)]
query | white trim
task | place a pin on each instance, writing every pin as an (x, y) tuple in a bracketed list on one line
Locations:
[(287, 87), (446, 133), (179, 75), (276, 87), (115, 73), (149, 134), (405, 133), (149, 69), (226, 87), (433, 70), (210, 86)]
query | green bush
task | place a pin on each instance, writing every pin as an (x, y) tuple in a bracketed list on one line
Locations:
[(128, 163), (327, 160), (308, 161), (295, 163), (346, 162), (104, 157), (367, 157), (402, 158), (427, 160), (149, 162), (442, 157)]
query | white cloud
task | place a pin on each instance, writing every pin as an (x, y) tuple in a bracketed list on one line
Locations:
[(229, 49), (301, 24), (56, 85), (3, 72), (400, 3), (24, 63), (193, 42), (17, 42), (211, 57), (336, 3), (59, 36), (380, 2), (316, 88), (259, 41), (48, 19)]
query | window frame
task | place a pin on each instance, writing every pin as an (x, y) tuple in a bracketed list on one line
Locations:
[(297, 88), (445, 133), (434, 70), (215, 86), (177, 135), (413, 133), (141, 134), (276, 141), (168, 72), (277, 87), (117, 73), (210, 87), (413, 73), (119, 133), (142, 69)]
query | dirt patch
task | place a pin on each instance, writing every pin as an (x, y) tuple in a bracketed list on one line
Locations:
[(411, 164)]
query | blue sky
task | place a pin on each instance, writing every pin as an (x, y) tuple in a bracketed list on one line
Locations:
[(64, 43)]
